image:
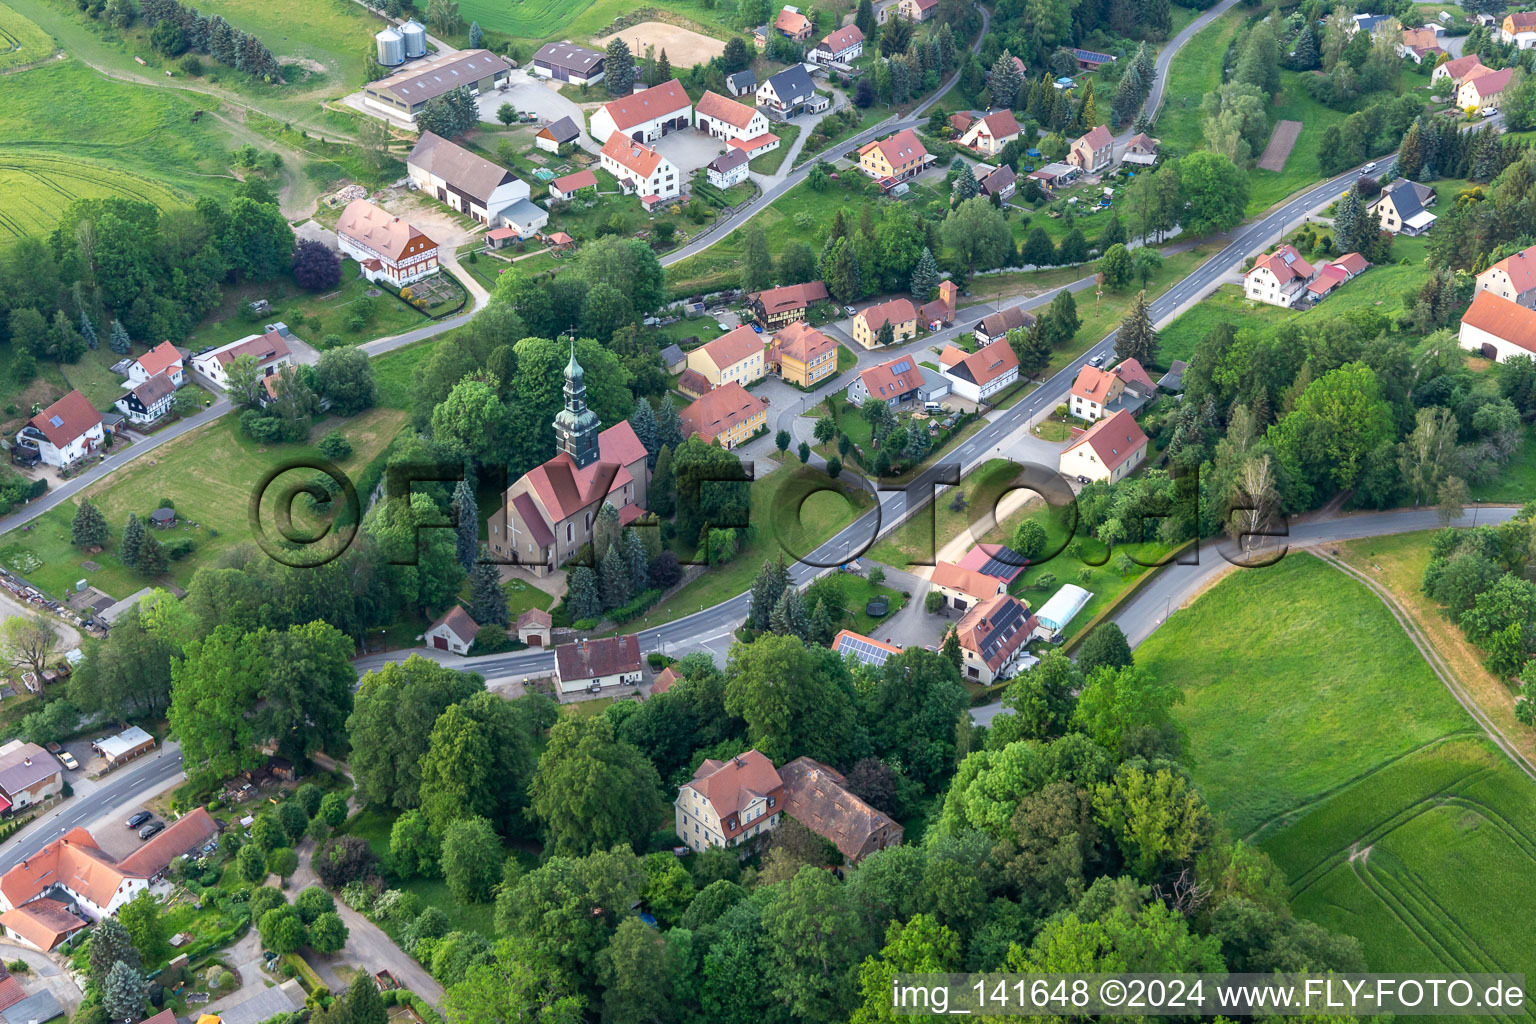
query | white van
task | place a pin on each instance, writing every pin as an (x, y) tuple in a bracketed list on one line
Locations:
[(932, 407)]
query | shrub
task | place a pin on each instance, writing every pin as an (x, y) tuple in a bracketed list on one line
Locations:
[(334, 447), (491, 639)]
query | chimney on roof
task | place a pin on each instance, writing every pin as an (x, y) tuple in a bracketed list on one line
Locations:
[(27, 761)]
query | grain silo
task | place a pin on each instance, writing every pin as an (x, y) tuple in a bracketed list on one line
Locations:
[(415, 39), (391, 47)]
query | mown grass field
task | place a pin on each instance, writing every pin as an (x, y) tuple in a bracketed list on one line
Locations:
[(209, 475), (1314, 720), (1267, 188), (1226, 305), (1193, 73), (21, 41)]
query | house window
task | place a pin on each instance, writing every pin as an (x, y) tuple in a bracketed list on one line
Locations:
[(570, 532)]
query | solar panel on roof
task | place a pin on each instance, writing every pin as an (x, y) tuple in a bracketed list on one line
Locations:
[(55, 421), (863, 650), (902, 367)]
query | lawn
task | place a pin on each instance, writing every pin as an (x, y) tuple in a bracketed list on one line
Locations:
[(209, 474), (522, 595), (857, 592), (21, 41), (1516, 483), (1193, 73), (1301, 168), (310, 316), (775, 503), (1226, 305), (394, 373), (1297, 682), (769, 163)]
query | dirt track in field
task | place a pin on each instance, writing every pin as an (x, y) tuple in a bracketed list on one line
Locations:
[(1281, 141)]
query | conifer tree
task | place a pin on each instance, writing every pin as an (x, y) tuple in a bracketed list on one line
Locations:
[(131, 549), (639, 562), (467, 525), (951, 648), (153, 560), (767, 588), (613, 577), (925, 276), (822, 630), (89, 528), (1137, 338), (1003, 82), (581, 594), (662, 493), (669, 426), (965, 185), (117, 339), (88, 331), (643, 420), (487, 601)]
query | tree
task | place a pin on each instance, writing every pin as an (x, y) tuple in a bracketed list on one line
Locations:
[(812, 939), (1038, 249), (478, 762), (795, 700), (28, 642), (1003, 82), (507, 114), (328, 934), (977, 234), (345, 376), (1137, 338), (735, 57), (130, 549), (333, 807), (1159, 821), (965, 184), (1115, 266), (592, 790), (111, 943), (476, 36), (1349, 221), (583, 597), (638, 972), (919, 945), (123, 992), (144, 920), (1126, 704), (88, 331), (118, 340), (619, 68), (251, 864), (1029, 539), (925, 279), (781, 441), (391, 725), (488, 602), (471, 859), (282, 930), (413, 848), (293, 819), (1215, 192), (283, 862), (316, 266), (1104, 647), (443, 15)]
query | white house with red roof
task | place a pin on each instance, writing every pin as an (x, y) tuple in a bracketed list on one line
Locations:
[(1279, 278), (1481, 91), (593, 665), (640, 169), (387, 247), (1453, 71), (727, 802), (1333, 275), (1519, 29), (454, 631), (269, 349), (964, 587), (991, 133), (893, 382), (1097, 393), (549, 511), (1107, 451), (977, 375), (1093, 152), (993, 635), (65, 432), (1498, 328), (841, 46), (163, 358), (721, 117), (565, 188), (1512, 278), (644, 116)]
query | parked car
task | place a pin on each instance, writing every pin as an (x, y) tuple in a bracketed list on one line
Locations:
[(68, 760), (139, 819), (1096, 361), (151, 830), (850, 311)]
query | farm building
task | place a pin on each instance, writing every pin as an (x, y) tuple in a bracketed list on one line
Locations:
[(385, 246), (405, 93), (567, 62), (559, 133), (468, 183), (645, 116)]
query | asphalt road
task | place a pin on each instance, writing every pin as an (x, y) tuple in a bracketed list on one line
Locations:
[(1165, 59), (125, 786)]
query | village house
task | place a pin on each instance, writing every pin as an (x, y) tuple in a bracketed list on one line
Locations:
[(792, 25), (755, 146), (1091, 60), (963, 587), (644, 116), (992, 636), (1481, 92), (728, 802), (149, 401), (894, 158), (1109, 450), (1519, 29), (1512, 278), (918, 11), (405, 93), (789, 93), (76, 871), (269, 349), (729, 413), (742, 83), (454, 631), (817, 797), (802, 355), (163, 358), (534, 627), (1456, 70), (65, 432), (1093, 152), (778, 306), (594, 665), (29, 775), (995, 326), (549, 511), (1097, 393), (1400, 208), (1140, 148), (722, 118), (462, 180), (566, 188), (1001, 181), (1333, 275), (899, 313), (567, 62), (640, 169), (727, 169), (1498, 328), (893, 382), (991, 133), (982, 373), (1279, 278), (386, 247), (564, 132), (1418, 43), (940, 311), (841, 46), (866, 650), (734, 356)]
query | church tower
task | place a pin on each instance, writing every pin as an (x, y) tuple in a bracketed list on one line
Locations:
[(576, 426)]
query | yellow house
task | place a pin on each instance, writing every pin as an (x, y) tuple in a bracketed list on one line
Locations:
[(896, 158), (736, 357), (899, 313), (803, 354), (730, 414)]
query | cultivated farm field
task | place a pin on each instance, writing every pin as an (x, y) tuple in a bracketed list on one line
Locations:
[(38, 186), (1317, 730), (21, 41)]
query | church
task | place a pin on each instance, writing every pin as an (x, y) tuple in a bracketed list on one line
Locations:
[(550, 510)]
